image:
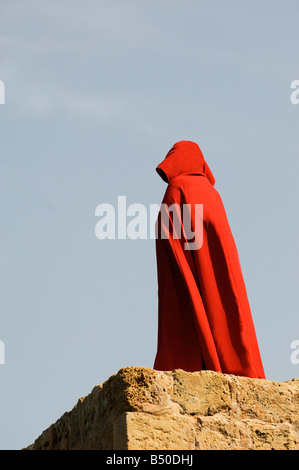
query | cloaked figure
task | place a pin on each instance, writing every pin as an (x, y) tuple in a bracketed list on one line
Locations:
[(204, 316)]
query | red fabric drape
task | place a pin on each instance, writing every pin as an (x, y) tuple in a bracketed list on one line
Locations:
[(204, 317)]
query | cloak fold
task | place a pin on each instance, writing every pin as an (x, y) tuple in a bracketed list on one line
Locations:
[(204, 317)]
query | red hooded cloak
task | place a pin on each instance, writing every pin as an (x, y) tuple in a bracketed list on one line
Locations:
[(204, 317)]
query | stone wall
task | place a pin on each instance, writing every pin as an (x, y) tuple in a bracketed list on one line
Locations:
[(142, 409)]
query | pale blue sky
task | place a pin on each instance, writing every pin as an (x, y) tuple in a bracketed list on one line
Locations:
[(96, 94)]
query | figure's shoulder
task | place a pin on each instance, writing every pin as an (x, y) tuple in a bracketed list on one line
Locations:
[(172, 194), (193, 184)]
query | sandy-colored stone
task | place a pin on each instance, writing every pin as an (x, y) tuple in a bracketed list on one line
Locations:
[(143, 409), (155, 432), (204, 393), (220, 433)]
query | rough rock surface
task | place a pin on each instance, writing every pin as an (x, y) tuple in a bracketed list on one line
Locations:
[(143, 409)]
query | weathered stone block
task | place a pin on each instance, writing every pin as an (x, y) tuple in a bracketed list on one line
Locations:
[(143, 409)]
